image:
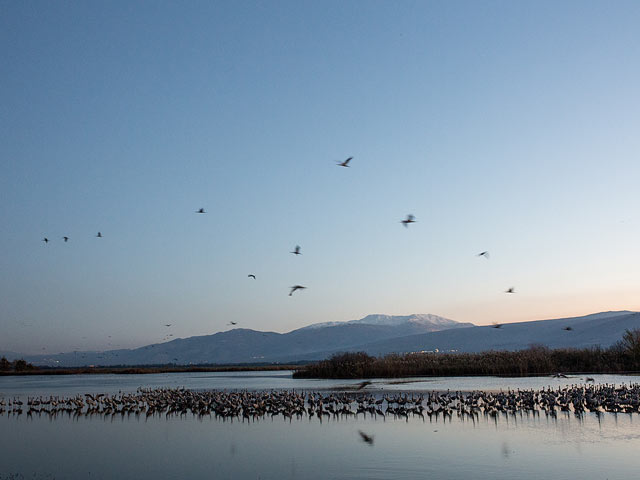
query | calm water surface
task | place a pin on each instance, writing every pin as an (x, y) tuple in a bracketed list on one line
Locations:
[(524, 447)]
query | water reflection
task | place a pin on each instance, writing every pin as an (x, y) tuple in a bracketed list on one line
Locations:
[(204, 447)]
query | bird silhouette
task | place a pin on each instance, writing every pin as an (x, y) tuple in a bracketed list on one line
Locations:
[(232, 323), (568, 329), (66, 239), (296, 287), (200, 211), (497, 325), (510, 290), (345, 163), (408, 220), (484, 254), (252, 276), (99, 235), (45, 240), (296, 251), (168, 324), (366, 438)]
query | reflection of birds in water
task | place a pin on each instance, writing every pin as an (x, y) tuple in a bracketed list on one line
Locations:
[(363, 384), (252, 276), (345, 163), (296, 251), (568, 329), (505, 450), (99, 235), (296, 287), (200, 211), (366, 438), (408, 220), (45, 240), (66, 239), (510, 290), (484, 254)]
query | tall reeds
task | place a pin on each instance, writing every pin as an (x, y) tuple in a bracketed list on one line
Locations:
[(536, 360)]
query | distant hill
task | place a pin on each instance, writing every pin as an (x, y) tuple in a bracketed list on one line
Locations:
[(249, 346), (429, 322), (374, 334), (601, 329)]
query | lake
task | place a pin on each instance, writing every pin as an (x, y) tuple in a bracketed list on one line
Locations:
[(136, 447)]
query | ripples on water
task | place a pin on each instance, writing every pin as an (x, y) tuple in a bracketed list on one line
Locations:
[(518, 446)]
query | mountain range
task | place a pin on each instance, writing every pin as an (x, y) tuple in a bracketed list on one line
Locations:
[(374, 334)]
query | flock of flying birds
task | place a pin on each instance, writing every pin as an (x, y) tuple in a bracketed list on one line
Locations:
[(296, 251)]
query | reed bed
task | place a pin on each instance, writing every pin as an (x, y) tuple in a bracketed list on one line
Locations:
[(532, 361)]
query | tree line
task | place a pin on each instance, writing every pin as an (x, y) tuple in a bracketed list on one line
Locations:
[(15, 366), (622, 357)]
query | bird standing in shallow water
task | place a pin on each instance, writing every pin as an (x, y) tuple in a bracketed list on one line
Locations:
[(410, 219), (345, 163), (296, 251), (296, 287)]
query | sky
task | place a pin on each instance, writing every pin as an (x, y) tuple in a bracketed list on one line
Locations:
[(508, 127)]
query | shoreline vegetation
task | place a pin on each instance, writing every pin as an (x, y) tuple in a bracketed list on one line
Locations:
[(622, 357)]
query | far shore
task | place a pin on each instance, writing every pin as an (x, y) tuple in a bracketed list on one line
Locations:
[(141, 370)]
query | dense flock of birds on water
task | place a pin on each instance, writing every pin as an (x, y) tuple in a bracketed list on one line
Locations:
[(575, 399)]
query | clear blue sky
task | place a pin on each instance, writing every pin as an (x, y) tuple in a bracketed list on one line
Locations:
[(503, 126)]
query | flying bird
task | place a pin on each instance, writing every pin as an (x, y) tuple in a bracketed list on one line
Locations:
[(45, 240), (484, 254), (510, 290), (408, 220), (99, 235), (296, 287), (296, 251), (366, 438), (200, 211), (252, 276), (345, 163), (66, 239)]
